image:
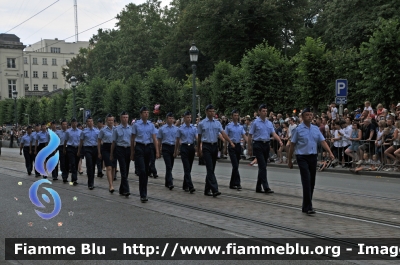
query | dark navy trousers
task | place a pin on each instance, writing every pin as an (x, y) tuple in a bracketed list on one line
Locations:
[(143, 153), (168, 156), (308, 168), (261, 152), (187, 156), (91, 158), (124, 160), (28, 159), (210, 153), (234, 154)]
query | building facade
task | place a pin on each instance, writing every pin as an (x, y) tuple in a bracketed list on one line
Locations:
[(11, 66), (43, 63)]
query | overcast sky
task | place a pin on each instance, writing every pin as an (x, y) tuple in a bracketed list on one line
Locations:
[(57, 21)]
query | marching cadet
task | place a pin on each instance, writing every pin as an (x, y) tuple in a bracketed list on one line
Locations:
[(166, 142), (104, 142), (208, 131), (71, 143), (121, 146), (42, 139), (141, 148), (33, 142), (185, 139), (64, 167), (88, 140), (26, 147), (260, 134), (99, 162), (235, 131), (304, 141)]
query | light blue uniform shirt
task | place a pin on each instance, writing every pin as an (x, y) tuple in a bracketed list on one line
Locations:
[(106, 134), (167, 134), (187, 134), (306, 139), (261, 130), (156, 133), (235, 131), (89, 136), (122, 135), (61, 135), (209, 130), (33, 135), (143, 131), (73, 137), (42, 137), (26, 140)]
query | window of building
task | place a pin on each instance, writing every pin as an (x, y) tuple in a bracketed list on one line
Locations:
[(45, 87), (44, 61), (26, 87), (36, 87), (53, 61), (11, 63), (67, 61), (12, 85), (54, 74), (54, 87), (35, 74), (55, 50), (25, 60), (25, 73), (44, 74), (34, 61)]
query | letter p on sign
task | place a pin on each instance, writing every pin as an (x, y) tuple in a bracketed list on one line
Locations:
[(341, 88)]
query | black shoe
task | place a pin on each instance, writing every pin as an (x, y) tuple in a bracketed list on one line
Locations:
[(259, 191), (143, 199), (192, 190), (45, 177), (29, 173), (55, 179), (126, 194), (91, 188), (209, 193), (215, 194), (171, 187), (239, 187), (65, 180), (115, 178), (186, 189), (81, 172), (100, 175), (310, 212), (233, 187), (269, 191), (111, 191), (37, 175), (75, 183), (155, 176)]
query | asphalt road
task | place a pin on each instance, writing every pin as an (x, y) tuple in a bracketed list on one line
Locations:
[(97, 214)]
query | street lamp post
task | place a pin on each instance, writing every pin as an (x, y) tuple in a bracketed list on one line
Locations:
[(194, 55), (73, 84), (28, 117), (83, 114), (198, 98), (15, 94)]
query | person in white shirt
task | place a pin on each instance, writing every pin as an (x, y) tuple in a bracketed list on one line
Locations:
[(346, 130), (367, 106), (292, 125), (334, 111)]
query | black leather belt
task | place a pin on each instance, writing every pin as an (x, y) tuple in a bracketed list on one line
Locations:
[(263, 142), (169, 144), (124, 146), (144, 144), (210, 143), (187, 144), (72, 146)]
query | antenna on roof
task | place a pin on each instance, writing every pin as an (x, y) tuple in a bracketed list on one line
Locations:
[(76, 20)]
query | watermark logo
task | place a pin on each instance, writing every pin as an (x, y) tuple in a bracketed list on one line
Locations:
[(44, 168), (35, 200)]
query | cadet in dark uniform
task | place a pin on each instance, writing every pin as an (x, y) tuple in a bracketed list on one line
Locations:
[(208, 131), (99, 161), (42, 139), (152, 167), (304, 141), (166, 142), (89, 143), (63, 162), (260, 134), (33, 146), (104, 142), (122, 145), (141, 148), (185, 139), (71, 143), (25, 146), (235, 131)]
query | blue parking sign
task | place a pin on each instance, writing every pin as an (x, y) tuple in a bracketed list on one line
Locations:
[(341, 88)]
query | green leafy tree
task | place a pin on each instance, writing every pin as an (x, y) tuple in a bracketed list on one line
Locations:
[(314, 81), (380, 62)]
